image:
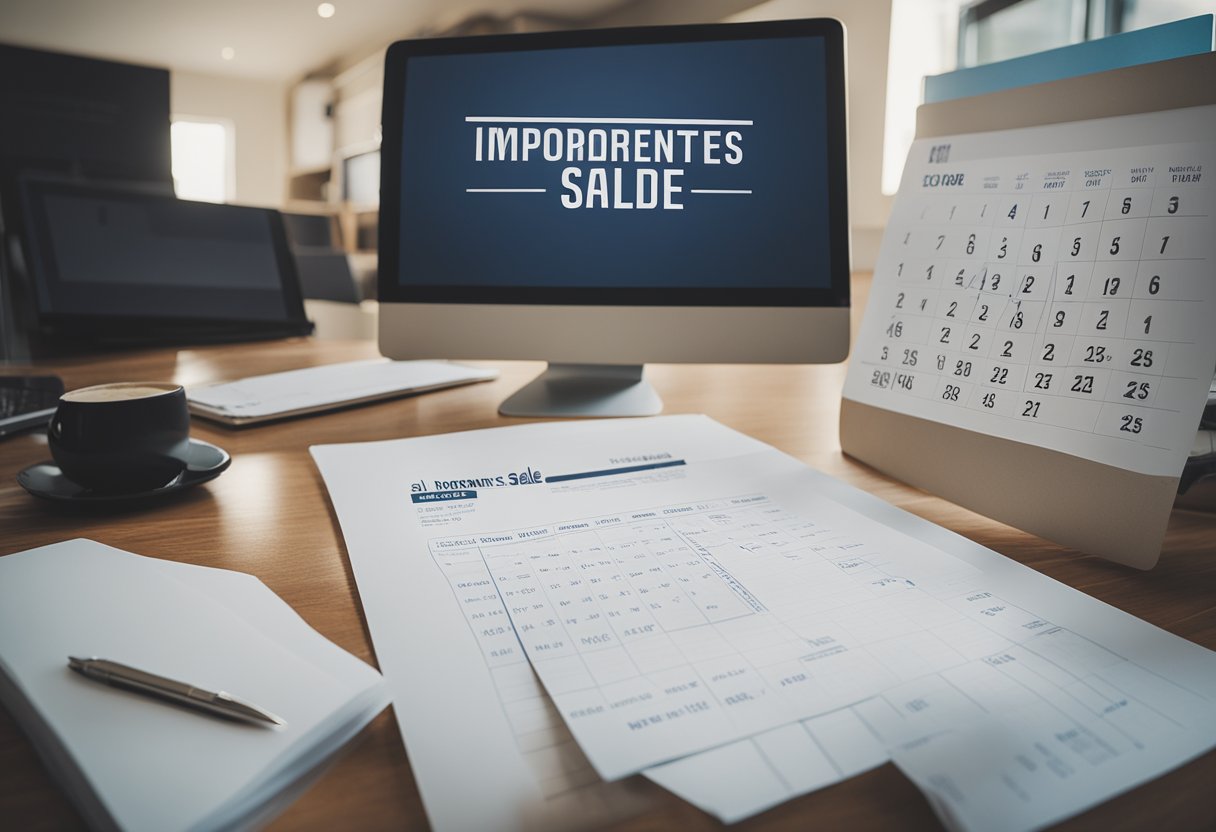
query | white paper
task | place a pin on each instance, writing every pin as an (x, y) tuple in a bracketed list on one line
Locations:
[(113, 748), (330, 385), (247, 597), (465, 717), (861, 605), (661, 629), (1052, 285), (1046, 761), (743, 778), (728, 783)]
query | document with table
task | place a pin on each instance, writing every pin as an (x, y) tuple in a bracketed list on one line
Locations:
[(670, 597)]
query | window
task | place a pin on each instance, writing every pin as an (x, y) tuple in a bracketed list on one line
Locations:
[(923, 42), (934, 36), (202, 159), (995, 30), (1128, 15)]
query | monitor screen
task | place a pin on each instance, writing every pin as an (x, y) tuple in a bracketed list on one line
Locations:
[(670, 166), (96, 254)]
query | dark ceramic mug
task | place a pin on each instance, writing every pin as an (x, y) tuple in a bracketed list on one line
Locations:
[(125, 437)]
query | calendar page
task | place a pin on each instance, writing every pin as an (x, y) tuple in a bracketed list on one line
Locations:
[(1052, 285)]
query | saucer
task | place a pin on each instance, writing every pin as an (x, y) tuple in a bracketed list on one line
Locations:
[(204, 462)]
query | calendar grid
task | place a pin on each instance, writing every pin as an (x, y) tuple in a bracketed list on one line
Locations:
[(1039, 294)]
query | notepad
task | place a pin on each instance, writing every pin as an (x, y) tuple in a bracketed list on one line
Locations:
[(317, 389), (134, 763)]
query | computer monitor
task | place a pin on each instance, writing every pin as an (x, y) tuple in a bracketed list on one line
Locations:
[(119, 264), (607, 198), (75, 116)]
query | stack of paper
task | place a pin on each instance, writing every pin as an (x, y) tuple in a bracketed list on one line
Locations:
[(669, 597), (132, 762)]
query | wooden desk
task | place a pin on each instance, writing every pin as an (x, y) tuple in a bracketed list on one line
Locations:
[(269, 515)]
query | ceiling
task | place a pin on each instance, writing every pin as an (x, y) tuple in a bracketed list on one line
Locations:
[(269, 39)]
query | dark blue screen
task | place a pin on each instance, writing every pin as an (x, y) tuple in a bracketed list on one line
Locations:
[(727, 141)]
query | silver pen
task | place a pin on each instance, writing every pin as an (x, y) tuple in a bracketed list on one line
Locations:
[(216, 702)]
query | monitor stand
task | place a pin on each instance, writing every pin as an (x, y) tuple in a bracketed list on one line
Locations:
[(585, 390)]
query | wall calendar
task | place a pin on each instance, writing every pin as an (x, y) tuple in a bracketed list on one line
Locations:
[(1054, 285)]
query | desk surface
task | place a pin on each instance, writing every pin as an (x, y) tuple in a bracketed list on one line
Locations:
[(269, 515)]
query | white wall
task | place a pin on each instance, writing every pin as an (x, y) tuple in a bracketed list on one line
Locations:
[(867, 37), (668, 12), (257, 111)]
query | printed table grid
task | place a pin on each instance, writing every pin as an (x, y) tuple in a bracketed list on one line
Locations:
[(984, 633)]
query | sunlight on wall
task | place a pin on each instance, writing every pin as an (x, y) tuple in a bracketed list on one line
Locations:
[(923, 42)]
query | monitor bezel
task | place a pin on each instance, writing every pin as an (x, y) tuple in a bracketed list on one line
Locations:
[(392, 290)]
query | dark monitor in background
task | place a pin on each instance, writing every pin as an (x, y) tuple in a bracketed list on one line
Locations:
[(83, 117), (76, 117), (324, 270), (129, 266), (312, 231), (607, 198), (326, 275)]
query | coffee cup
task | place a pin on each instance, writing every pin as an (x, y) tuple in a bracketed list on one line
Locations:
[(125, 437)]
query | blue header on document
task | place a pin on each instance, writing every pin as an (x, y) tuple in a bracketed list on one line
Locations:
[(442, 496), (1192, 36), (609, 472), (437, 491)]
